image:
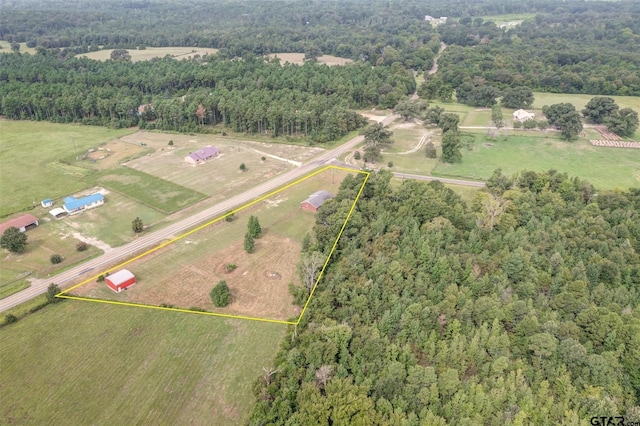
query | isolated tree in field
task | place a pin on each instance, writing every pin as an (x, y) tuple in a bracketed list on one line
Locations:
[(543, 125), (623, 123), (432, 115), (15, 47), (220, 294), (253, 227), (356, 155), (243, 167), (517, 97), (451, 145), (309, 267), (249, 243), (375, 136), (120, 55), (496, 116), (408, 108), (449, 121), (430, 150), (52, 290), (311, 53), (599, 108), (555, 111), (13, 240), (137, 225), (570, 125), (55, 259)]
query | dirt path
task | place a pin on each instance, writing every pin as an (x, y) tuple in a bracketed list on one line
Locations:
[(434, 68), (93, 241), (423, 141)]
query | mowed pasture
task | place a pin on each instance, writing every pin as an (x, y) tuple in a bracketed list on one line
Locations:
[(220, 177), (86, 363), (160, 194), (27, 148), (153, 52), (298, 58), (605, 168), (183, 273)]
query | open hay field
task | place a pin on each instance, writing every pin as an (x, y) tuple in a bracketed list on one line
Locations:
[(220, 177), (5, 47), (28, 147), (606, 168), (298, 58), (580, 101), (183, 273), (86, 363), (160, 194), (154, 52)]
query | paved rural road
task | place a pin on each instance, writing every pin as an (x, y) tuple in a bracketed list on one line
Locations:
[(152, 239)]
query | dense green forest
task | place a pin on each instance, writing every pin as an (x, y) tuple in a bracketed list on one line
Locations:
[(521, 308), (249, 95), (589, 49)]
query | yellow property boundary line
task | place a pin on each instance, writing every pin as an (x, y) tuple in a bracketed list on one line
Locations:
[(62, 294)]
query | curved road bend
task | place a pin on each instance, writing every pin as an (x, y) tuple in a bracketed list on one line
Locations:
[(147, 241)]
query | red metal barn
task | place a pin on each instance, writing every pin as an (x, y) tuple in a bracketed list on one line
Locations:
[(315, 200), (121, 280)]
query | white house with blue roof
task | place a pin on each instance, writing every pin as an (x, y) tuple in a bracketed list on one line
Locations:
[(73, 205)]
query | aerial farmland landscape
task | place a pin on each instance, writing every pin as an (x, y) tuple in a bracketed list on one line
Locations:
[(311, 213)]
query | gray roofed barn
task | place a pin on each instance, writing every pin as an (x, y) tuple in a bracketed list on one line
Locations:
[(315, 200)]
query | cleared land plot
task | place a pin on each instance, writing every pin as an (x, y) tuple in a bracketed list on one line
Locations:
[(111, 154), (580, 101), (6, 47), (29, 178), (220, 177), (298, 58), (183, 273), (42, 242), (603, 167), (154, 52), (111, 223), (160, 194), (86, 363)]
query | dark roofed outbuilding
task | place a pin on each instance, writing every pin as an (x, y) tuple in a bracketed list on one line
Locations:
[(315, 200)]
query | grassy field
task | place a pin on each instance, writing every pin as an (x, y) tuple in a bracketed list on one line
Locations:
[(160, 194), (580, 101), (5, 47), (603, 167), (111, 223), (221, 177), (42, 242), (86, 363), (154, 52), (45, 143), (182, 273)]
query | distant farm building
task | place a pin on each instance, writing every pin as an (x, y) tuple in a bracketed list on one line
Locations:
[(74, 205), (436, 21), (23, 223), (202, 155), (522, 115), (315, 200), (46, 202), (121, 280), (57, 212)]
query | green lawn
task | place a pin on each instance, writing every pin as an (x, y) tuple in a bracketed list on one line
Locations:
[(86, 363), (580, 101), (111, 223), (43, 241), (30, 151), (157, 193), (603, 167)]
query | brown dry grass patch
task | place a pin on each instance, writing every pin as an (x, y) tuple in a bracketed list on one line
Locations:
[(298, 58), (259, 286), (112, 154)]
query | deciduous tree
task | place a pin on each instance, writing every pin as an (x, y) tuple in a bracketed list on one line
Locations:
[(623, 122), (599, 108), (13, 240)]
